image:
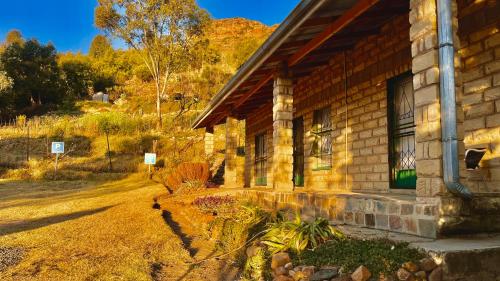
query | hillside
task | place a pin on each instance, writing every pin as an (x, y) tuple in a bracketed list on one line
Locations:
[(237, 38)]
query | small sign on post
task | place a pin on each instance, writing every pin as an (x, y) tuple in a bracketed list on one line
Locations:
[(149, 159), (57, 148)]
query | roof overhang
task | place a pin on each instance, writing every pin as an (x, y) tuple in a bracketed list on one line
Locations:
[(307, 38)]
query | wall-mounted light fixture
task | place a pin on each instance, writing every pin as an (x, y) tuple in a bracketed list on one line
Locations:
[(473, 156)]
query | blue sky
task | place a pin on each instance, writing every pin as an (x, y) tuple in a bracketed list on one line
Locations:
[(68, 24)]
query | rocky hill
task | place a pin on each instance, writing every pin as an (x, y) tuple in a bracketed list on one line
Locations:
[(237, 38)]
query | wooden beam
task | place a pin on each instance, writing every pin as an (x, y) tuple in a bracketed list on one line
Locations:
[(253, 90), (319, 21), (336, 26), (246, 96)]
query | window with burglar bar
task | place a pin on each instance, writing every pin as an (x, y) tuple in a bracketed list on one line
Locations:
[(402, 133), (260, 160), (322, 144)]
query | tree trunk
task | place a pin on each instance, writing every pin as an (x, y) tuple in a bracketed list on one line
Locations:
[(158, 107)]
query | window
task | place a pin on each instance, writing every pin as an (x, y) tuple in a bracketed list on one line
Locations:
[(260, 160), (402, 133), (322, 144)]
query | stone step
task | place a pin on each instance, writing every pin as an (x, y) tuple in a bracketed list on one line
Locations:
[(470, 258)]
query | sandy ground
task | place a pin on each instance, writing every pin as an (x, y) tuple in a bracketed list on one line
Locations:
[(97, 231)]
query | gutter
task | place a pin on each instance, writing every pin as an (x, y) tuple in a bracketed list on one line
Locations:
[(299, 15), (451, 175)]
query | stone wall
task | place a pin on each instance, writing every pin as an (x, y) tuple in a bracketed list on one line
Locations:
[(479, 25), (360, 134), (387, 212), (364, 167), (260, 122)]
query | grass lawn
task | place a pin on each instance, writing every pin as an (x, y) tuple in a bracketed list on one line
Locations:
[(87, 231)]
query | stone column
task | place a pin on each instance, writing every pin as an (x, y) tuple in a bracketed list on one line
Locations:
[(230, 168), (425, 67), (209, 141), (282, 161)]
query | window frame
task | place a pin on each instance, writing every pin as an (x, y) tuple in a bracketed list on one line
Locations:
[(322, 134), (392, 86), (260, 161)]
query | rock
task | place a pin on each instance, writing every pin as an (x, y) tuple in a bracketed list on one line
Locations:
[(283, 278), (361, 274), (298, 268), (436, 274), (253, 250), (404, 275), (324, 274), (410, 266), (279, 259), (280, 271), (421, 275), (289, 266), (308, 270), (427, 264), (299, 276)]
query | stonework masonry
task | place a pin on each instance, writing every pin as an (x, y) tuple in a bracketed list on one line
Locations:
[(479, 32), (209, 141), (231, 178), (387, 212), (356, 190), (282, 161)]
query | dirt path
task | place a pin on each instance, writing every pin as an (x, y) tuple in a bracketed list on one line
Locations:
[(87, 231)]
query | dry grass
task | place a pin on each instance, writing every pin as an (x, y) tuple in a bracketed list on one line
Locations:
[(86, 230)]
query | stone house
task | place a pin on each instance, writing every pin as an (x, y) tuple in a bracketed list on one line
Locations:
[(362, 112)]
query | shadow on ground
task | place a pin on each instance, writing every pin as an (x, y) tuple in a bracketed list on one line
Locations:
[(16, 227)]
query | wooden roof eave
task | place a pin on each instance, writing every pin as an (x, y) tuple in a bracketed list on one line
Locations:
[(299, 15)]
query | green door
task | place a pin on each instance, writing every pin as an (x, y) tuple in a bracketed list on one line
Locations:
[(298, 151)]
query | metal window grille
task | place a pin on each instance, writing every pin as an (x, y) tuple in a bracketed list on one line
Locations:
[(322, 144), (402, 133)]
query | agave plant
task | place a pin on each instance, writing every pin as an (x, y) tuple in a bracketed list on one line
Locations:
[(298, 235)]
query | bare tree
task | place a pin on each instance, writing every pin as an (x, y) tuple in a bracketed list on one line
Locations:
[(167, 34)]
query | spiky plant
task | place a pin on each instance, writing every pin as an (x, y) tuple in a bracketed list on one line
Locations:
[(298, 235)]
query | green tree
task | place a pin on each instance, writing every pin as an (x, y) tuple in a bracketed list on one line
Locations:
[(100, 46), (14, 36), (35, 74), (78, 74), (166, 34), (6, 84)]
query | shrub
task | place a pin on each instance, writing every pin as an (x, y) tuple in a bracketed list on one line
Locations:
[(186, 177), (232, 232), (378, 255), (298, 235), (215, 204)]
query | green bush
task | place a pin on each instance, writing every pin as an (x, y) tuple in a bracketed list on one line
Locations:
[(298, 235), (378, 255)]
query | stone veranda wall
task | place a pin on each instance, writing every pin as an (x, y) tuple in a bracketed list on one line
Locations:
[(479, 32)]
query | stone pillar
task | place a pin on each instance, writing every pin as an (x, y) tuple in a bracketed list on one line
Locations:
[(282, 164), (209, 141), (425, 67), (230, 168)]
